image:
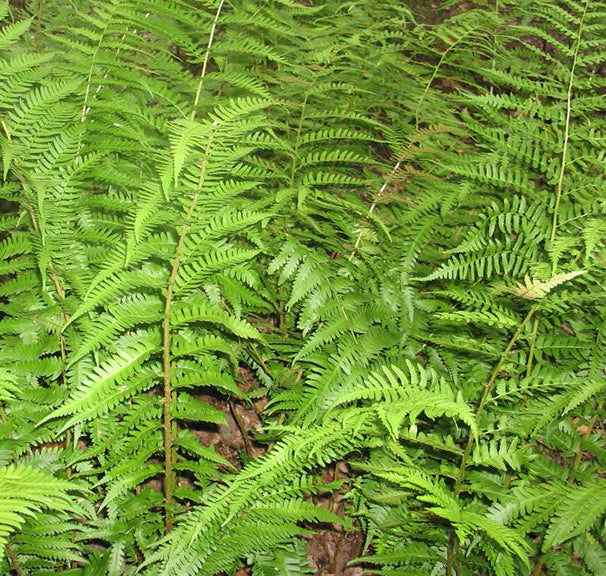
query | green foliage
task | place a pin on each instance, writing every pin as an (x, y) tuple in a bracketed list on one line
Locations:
[(396, 225), (27, 490)]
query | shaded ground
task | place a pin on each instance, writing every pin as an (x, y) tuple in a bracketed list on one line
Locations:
[(331, 548)]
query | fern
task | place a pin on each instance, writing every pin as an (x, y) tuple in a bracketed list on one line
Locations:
[(27, 491), (244, 242)]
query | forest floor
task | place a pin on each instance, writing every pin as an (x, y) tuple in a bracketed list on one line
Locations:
[(331, 548)]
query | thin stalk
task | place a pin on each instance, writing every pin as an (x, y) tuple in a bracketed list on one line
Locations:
[(487, 389), (494, 62), (453, 543), (295, 156), (89, 79), (169, 427), (554, 227), (85, 106), (14, 560), (168, 424), (250, 451), (533, 339), (372, 209), (449, 552), (293, 173), (206, 58), (434, 75)]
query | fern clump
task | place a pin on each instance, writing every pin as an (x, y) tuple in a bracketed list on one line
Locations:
[(381, 236)]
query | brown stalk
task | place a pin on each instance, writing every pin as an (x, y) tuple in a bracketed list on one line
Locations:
[(169, 481), (453, 551), (14, 560), (243, 431)]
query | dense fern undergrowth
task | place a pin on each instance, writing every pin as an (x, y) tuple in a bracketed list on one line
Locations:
[(381, 234)]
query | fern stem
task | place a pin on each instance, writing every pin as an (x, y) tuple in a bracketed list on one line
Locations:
[(554, 226), (295, 157), (242, 428), (485, 395), (167, 425), (493, 62), (449, 552), (85, 107), (14, 560), (434, 75), (373, 207), (38, 25), (533, 340), (293, 173), (453, 544), (206, 58)]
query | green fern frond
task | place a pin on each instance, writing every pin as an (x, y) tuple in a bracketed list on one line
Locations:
[(25, 492)]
